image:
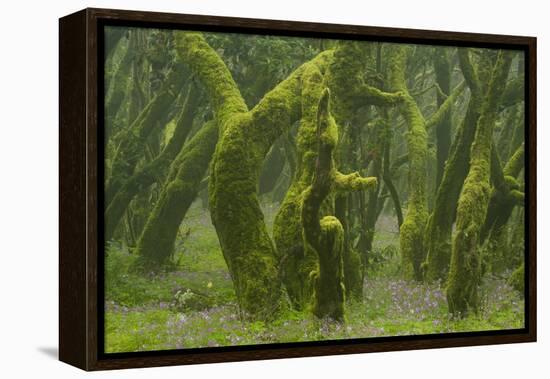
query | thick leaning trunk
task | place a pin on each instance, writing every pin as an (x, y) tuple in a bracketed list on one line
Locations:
[(156, 244), (465, 270), (155, 171)]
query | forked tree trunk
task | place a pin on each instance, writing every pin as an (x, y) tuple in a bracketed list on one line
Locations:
[(465, 273)]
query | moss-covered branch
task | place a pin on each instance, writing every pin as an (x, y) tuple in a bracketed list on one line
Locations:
[(324, 236), (516, 163), (222, 90), (470, 73), (353, 182), (443, 111), (117, 83)]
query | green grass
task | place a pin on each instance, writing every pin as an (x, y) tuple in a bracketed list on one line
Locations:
[(194, 305)]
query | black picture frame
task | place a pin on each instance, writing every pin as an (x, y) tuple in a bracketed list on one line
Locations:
[(81, 179)]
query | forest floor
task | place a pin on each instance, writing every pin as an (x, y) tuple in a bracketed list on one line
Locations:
[(194, 305)]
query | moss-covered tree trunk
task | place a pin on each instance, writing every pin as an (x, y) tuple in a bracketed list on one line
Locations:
[(412, 230), (325, 236), (350, 92), (440, 223), (156, 244), (296, 264), (465, 273), (388, 182)]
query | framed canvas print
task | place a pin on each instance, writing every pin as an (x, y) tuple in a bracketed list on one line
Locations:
[(236, 189)]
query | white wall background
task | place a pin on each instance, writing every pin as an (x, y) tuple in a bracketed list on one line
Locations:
[(29, 177)]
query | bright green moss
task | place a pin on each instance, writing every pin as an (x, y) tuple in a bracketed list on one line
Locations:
[(353, 182), (222, 90)]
